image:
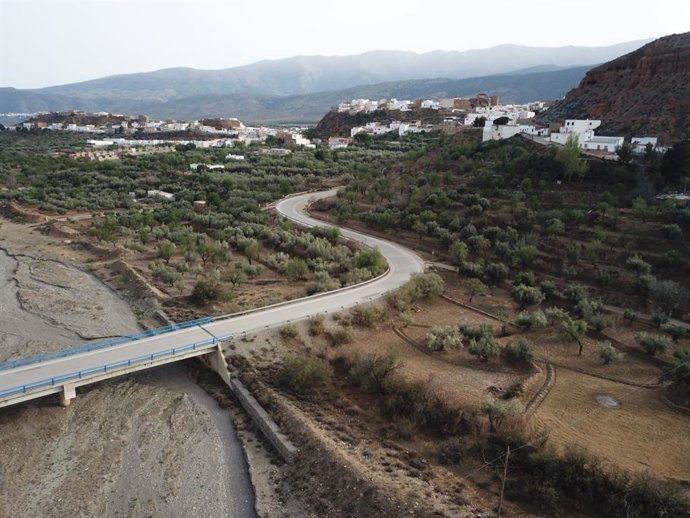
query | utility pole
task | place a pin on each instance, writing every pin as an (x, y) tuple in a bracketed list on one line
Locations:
[(503, 483)]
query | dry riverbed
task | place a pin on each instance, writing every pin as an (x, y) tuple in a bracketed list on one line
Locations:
[(153, 444)]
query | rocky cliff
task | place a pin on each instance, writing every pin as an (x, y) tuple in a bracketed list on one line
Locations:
[(644, 93)]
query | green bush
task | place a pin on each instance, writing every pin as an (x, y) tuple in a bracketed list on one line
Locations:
[(519, 352), (289, 331), (443, 338), (316, 325), (608, 353), (367, 315), (652, 344), (339, 335), (208, 290), (373, 372), (484, 348), (674, 331), (533, 320), (301, 373), (526, 296), (475, 333)]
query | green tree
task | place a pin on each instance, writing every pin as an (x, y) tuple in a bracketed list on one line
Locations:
[(526, 296), (625, 153), (166, 249), (296, 269), (498, 411), (569, 157), (485, 347), (573, 331), (251, 250), (475, 287), (458, 252)]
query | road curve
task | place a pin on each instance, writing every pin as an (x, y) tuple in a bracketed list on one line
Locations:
[(402, 264)]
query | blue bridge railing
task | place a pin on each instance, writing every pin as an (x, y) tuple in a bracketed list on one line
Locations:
[(23, 389), (101, 344)]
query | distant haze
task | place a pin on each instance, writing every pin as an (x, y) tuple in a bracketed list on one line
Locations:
[(49, 42)]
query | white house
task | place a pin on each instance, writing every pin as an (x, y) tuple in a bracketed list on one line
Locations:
[(639, 144), (534, 131), (599, 143), (429, 104)]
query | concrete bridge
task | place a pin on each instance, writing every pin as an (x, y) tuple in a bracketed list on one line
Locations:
[(62, 372)]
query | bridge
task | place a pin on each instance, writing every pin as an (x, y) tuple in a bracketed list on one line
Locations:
[(64, 371)]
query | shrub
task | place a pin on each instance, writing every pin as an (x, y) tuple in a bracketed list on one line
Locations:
[(484, 348), (475, 333), (548, 288), (519, 352), (630, 315), (443, 338), (340, 335), (608, 353), (451, 451), (526, 296), (424, 285), (296, 269), (652, 344), (372, 372), (301, 373), (575, 293), (316, 325), (674, 331), (555, 314), (289, 331), (598, 322), (636, 264), (659, 318), (206, 291), (367, 316), (680, 371), (526, 278), (498, 411), (534, 320)]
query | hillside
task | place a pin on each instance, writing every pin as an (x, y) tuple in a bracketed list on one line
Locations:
[(646, 92), (517, 87)]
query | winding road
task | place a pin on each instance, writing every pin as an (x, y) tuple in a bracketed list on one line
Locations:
[(47, 377)]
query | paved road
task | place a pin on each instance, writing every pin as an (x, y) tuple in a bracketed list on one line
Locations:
[(402, 261)]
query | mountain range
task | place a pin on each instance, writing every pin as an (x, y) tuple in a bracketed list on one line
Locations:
[(303, 87)]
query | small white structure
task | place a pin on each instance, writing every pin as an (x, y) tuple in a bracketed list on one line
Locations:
[(234, 157), (338, 142), (167, 196), (639, 144), (600, 143), (499, 132)]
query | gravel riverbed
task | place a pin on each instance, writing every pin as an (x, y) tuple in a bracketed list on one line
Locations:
[(150, 444)]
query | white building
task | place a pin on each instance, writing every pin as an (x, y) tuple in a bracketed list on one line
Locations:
[(639, 144), (499, 131), (429, 104), (600, 143)]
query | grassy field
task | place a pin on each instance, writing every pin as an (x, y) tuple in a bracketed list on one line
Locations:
[(643, 434)]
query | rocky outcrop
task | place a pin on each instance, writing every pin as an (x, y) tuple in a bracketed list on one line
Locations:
[(644, 93)]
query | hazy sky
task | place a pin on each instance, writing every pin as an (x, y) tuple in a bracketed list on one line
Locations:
[(47, 42)]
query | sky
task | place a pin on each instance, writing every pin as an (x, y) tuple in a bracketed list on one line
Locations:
[(49, 42)]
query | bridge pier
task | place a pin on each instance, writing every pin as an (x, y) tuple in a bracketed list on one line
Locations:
[(67, 395)]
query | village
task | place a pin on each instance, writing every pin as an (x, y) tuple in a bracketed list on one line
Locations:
[(127, 134)]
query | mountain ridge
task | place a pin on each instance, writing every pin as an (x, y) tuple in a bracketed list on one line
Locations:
[(250, 108), (643, 93)]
